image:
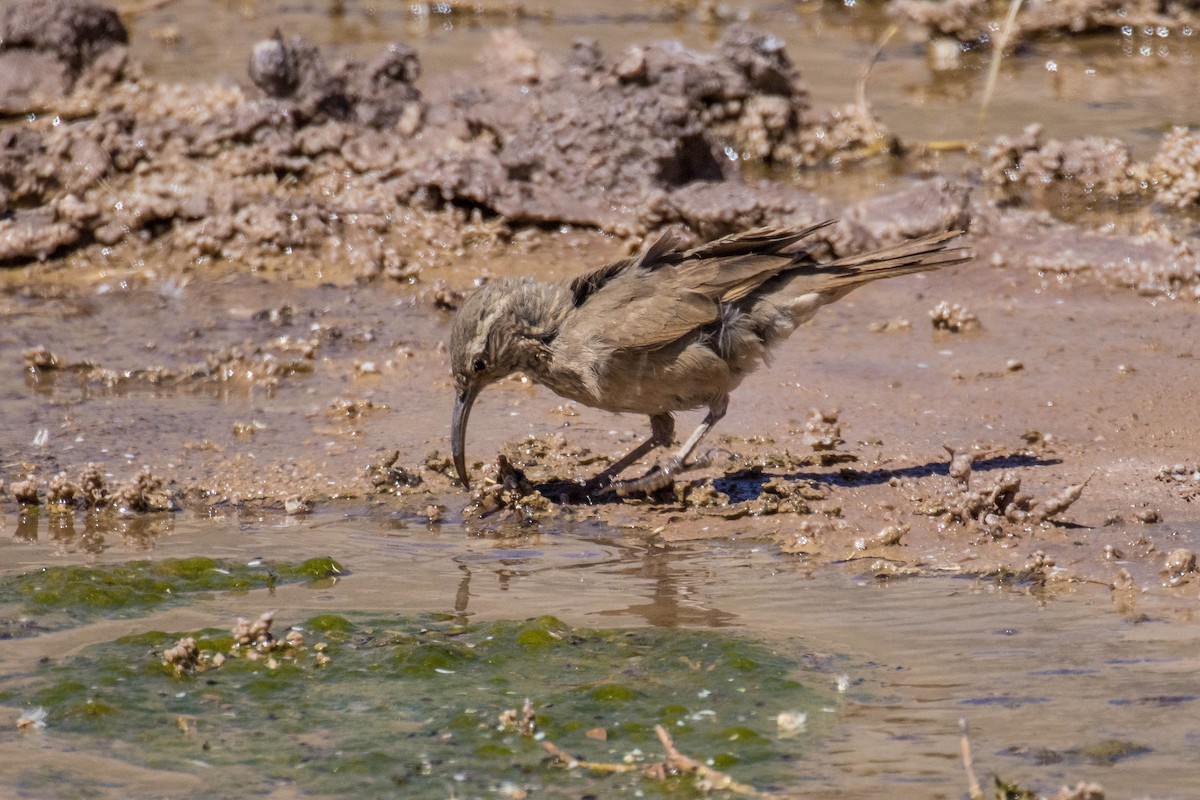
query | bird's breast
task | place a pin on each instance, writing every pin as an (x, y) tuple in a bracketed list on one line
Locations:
[(682, 376)]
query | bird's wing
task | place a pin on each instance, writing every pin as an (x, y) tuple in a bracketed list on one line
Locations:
[(639, 312), (647, 302), (758, 240), (728, 269), (663, 251)]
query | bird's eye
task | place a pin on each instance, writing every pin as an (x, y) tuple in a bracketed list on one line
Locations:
[(479, 365)]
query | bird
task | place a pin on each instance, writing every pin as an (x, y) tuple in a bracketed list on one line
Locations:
[(667, 330)]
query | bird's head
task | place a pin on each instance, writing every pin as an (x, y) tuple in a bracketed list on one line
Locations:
[(496, 332)]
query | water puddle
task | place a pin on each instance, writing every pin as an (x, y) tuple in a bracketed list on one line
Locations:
[(430, 634)]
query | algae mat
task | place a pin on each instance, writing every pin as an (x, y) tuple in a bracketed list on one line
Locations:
[(430, 706)]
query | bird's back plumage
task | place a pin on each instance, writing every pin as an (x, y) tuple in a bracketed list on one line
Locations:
[(666, 293)]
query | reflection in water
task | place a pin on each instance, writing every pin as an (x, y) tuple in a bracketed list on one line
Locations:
[(27, 525), (138, 532), (666, 581), (142, 531), (672, 600), (463, 594), (61, 528)]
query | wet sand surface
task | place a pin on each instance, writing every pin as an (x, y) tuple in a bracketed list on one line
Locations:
[(252, 303)]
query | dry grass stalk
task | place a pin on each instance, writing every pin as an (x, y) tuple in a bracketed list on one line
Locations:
[(1010, 22)]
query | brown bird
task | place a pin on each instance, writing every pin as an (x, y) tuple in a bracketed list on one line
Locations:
[(665, 331)]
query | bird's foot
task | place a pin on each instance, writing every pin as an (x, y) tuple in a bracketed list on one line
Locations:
[(659, 477)]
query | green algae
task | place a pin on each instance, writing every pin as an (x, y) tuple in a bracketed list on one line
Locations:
[(403, 706), (58, 596)]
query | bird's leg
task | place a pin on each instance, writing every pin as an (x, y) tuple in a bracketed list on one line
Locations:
[(661, 476), (662, 432)]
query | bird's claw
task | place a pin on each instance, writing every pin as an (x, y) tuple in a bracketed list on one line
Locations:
[(659, 477)]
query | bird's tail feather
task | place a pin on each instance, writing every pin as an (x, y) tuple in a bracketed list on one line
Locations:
[(915, 255)]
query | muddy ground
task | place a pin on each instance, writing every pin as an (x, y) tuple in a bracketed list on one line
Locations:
[(235, 292)]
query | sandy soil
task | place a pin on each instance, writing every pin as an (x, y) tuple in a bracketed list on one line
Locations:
[(238, 295)]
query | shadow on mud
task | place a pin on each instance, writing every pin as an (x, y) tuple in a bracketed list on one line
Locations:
[(747, 485)]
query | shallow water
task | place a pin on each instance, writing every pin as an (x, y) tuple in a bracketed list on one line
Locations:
[(1057, 685)]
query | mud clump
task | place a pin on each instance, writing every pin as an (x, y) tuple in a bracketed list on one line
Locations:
[(39, 359), (1080, 791), (505, 486), (888, 536), (961, 464), (379, 95), (252, 640), (524, 722), (143, 493), (1056, 504), (808, 537), (26, 492), (784, 496), (894, 325), (1124, 582), (605, 143), (92, 491), (183, 657), (1093, 165), (387, 476), (933, 204), (1042, 172), (1180, 566), (61, 492), (75, 31), (254, 633), (198, 167), (822, 431), (1184, 479), (994, 508), (352, 409), (648, 139), (1175, 171), (45, 46), (702, 495), (976, 21), (953, 318)]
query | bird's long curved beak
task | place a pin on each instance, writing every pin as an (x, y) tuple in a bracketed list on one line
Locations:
[(458, 430)]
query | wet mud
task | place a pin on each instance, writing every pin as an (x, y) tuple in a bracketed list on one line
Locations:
[(230, 296), (236, 294)]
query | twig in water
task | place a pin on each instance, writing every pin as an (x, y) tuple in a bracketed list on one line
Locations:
[(711, 778), (569, 761), (973, 789)]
